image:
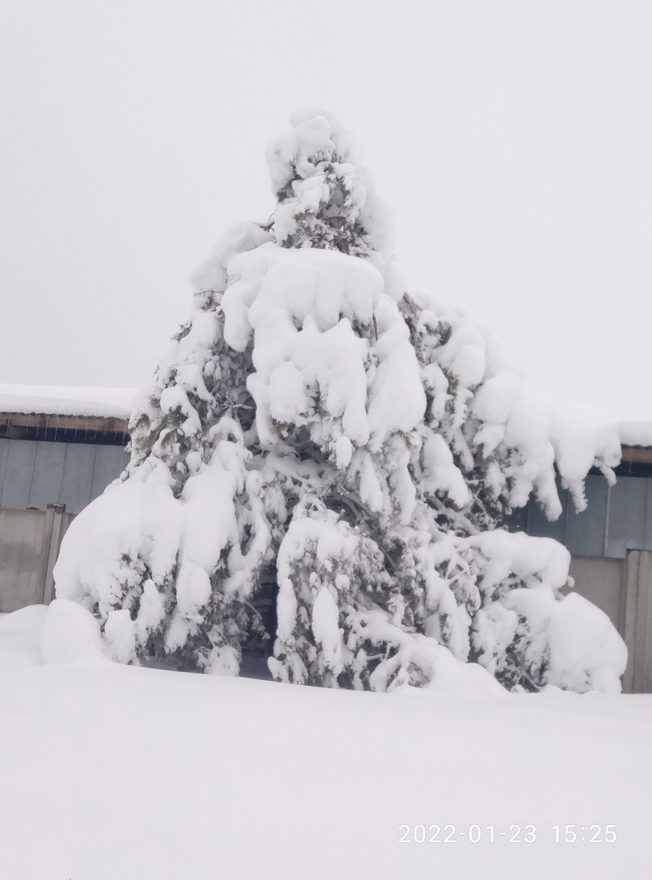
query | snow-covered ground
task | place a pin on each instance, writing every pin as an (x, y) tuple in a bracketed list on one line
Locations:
[(109, 771)]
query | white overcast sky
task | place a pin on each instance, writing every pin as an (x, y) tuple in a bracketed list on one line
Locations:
[(513, 140)]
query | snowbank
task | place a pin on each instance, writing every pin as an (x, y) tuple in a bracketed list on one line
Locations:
[(70, 634), (20, 636), (111, 771), (59, 634)]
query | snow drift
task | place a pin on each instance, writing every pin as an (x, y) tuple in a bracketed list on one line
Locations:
[(284, 783)]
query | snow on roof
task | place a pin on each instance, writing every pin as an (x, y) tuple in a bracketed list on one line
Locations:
[(118, 402), (635, 433), (67, 401)]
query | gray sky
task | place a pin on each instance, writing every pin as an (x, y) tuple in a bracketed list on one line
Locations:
[(513, 140)]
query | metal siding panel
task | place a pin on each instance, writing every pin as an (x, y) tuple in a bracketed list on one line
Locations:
[(19, 474), (4, 453), (48, 474), (108, 466), (647, 537), (78, 476), (585, 532), (626, 527), (541, 527), (517, 520)]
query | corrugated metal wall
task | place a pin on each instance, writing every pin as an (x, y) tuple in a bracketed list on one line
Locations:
[(37, 473), (616, 520)]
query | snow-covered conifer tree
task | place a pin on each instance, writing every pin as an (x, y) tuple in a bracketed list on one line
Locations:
[(319, 435)]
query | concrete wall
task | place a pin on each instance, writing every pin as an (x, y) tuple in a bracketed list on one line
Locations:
[(622, 588), (38, 480), (637, 621), (601, 581), (29, 546)]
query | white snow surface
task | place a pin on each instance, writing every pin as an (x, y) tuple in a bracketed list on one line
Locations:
[(70, 635), (67, 401), (113, 771), (635, 433)]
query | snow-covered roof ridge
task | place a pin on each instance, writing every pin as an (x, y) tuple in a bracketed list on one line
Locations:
[(67, 400)]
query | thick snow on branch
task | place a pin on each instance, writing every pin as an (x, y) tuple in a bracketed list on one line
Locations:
[(318, 318), (326, 199)]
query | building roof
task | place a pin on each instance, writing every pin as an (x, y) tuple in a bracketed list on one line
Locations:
[(67, 401), (635, 433), (108, 409), (78, 415)]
